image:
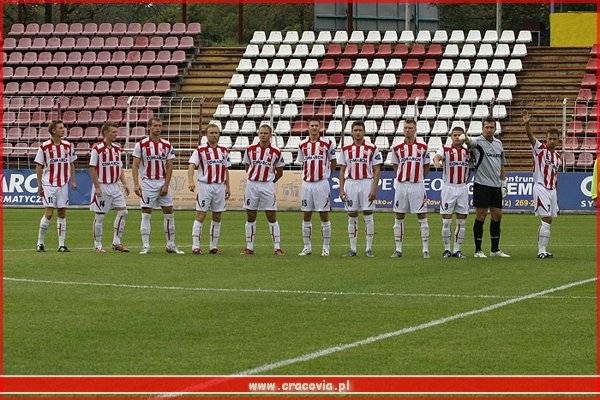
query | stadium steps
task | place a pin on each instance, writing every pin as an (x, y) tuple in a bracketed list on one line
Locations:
[(549, 75)]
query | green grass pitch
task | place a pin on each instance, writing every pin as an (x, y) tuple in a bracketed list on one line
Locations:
[(168, 314)]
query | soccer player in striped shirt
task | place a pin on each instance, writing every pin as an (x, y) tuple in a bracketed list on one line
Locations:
[(546, 162), (106, 170), (454, 160), (211, 162), (317, 156), (54, 167), (153, 157), (411, 164), (264, 167), (360, 165)]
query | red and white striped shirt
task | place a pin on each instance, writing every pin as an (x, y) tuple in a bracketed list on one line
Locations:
[(545, 165), (153, 157), (316, 159), (359, 160), (211, 162), (261, 162), (56, 160), (410, 159), (456, 164), (107, 161)]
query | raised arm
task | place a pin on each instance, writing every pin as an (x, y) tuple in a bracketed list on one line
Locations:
[(526, 119)]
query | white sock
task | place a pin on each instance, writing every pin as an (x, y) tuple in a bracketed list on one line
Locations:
[(250, 233), (352, 228), (145, 229), (215, 233), (169, 227), (119, 226), (98, 221), (275, 234), (398, 233), (424, 234), (446, 224), (326, 230), (459, 234), (61, 227), (44, 222), (543, 236), (369, 230), (196, 234), (306, 234)]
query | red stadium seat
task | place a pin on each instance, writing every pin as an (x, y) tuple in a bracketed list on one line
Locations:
[(59, 58), (138, 132), (121, 101), (32, 29), (75, 58), (331, 94), (23, 118), (351, 50), (153, 102), (145, 115), (400, 95), (95, 72), (163, 86), (119, 29), (134, 28), (327, 64), (99, 117), (29, 88), (423, 80), (382, 95), (86, 87), (307, 110), (126, 43), (111, 43), (69, 117), (17, 29), (177, 57), (67, 44), (109, 72), (193, 28), (62, 102), (90, 29), (76, 28), (82, 43), (21, 73), (591, 129), (345, 64), (106, 103), (97, 43), (156, 43), (412, 64), (405, 80), (92, 102), (8, 73), (119, 57), (149, 28), (349, 94), (164, 28), (132, 87), (77, 103), (300, 128), (14, 133), (367, 50), (365, 94), (585, 160), (171, 43), (592, 64), (417, 50), (594, 50), (11, 88), (71, 88), (435, 50), (57, 87), (46, 103), (336, 80), (89, 58), (115, 116), (116, 87), (9, 118), (333, 50), (52, 72), (584, 95), (400, 50), (417, 94), (91, 132), (61, 29), (101, 87), (589, 144), (16, 58), (384, 50), (126, 72), (38, 43), (140, 71), (581, 110), (169, 72), (133, 57), (9, 44), (314, 94), (75, 133), (141, 43), (46, 29), (325, 110), (178, 28), (575, 128), (81, 72), (31, 133), (571, 143), (23, 44), (589, 80), (186, 43), (38, 117), (148, 57), (429, 65)]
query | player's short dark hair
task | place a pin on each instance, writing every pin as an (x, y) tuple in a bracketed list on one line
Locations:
[(52, 125), (457, 128), (489, 120), (212, 126), (266, 126), (314, 119), (151, 120), (358, 123), (410, 121), (106, 127), (553, 131)]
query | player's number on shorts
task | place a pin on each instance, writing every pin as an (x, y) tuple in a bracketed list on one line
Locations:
[(349, 202), (101, 204), (247, 202), (304, 203), (50, 199), (203, 203)]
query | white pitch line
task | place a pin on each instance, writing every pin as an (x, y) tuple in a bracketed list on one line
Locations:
[(159, 249), (372, 339), (279, 291)]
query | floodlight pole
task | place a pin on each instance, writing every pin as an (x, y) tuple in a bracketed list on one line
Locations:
[(407, 16), (350, 17), (498, 17)]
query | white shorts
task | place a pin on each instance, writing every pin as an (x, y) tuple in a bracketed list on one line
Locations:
[(455, 199), (56, 196), (210, 197), (357, 195), (545, 201), (151, 197), (410, 197), (315, 196), (112, 197), (260, 196)]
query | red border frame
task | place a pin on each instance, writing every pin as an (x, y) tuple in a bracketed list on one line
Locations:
[(437, 386)]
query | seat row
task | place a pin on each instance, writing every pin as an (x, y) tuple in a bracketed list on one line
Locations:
[(361, 111), (70, 117), (92, 57), (93, 72), (87, 87), (578, 128), (105, 29), (381, 95), (77, 103), (439, 36), (98, 43)]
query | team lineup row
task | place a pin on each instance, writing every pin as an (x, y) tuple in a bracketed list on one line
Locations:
[(359, 170)]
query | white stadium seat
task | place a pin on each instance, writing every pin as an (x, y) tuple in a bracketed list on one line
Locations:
[(507, 37), (263, 95), (245, 65), (446, 65), (231, 128), (497, 66), (520, 50), (509, 81), (246, 95), (259, 37), (485, 51), (356, 37), (267, 51), (502, 51), (486, 95), (281, 95), (376, 112), (238, 111), (481, 112), (387, 127), (524, 37), (253, 81), (457, 81), (390, 37), (340, 37), (222, 111), (514, 65), (439, 81), (394, 65), (373, 37), (491, 81), (256, 111), (423, 37), (504, 96), (440, 128), (440, 37), (308, 37), (473, 36), (446, 111), (377, 65), (317, 51), (468, 51), (294, 65), (275, 37), (248, 128), (371, 80), (457, 37), (451, 50), (324, 37), (394, 111), (277, 65), (237, 80), (490, 37), (469, 95), (407, 37), (452, 96), (463, 65), (474, 81), (284, 51), (463, 111), (311, 65), (291, 37), (499, 111), (229, 96), (434, 96), (481, 65), (475, 128), (301, 51)]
